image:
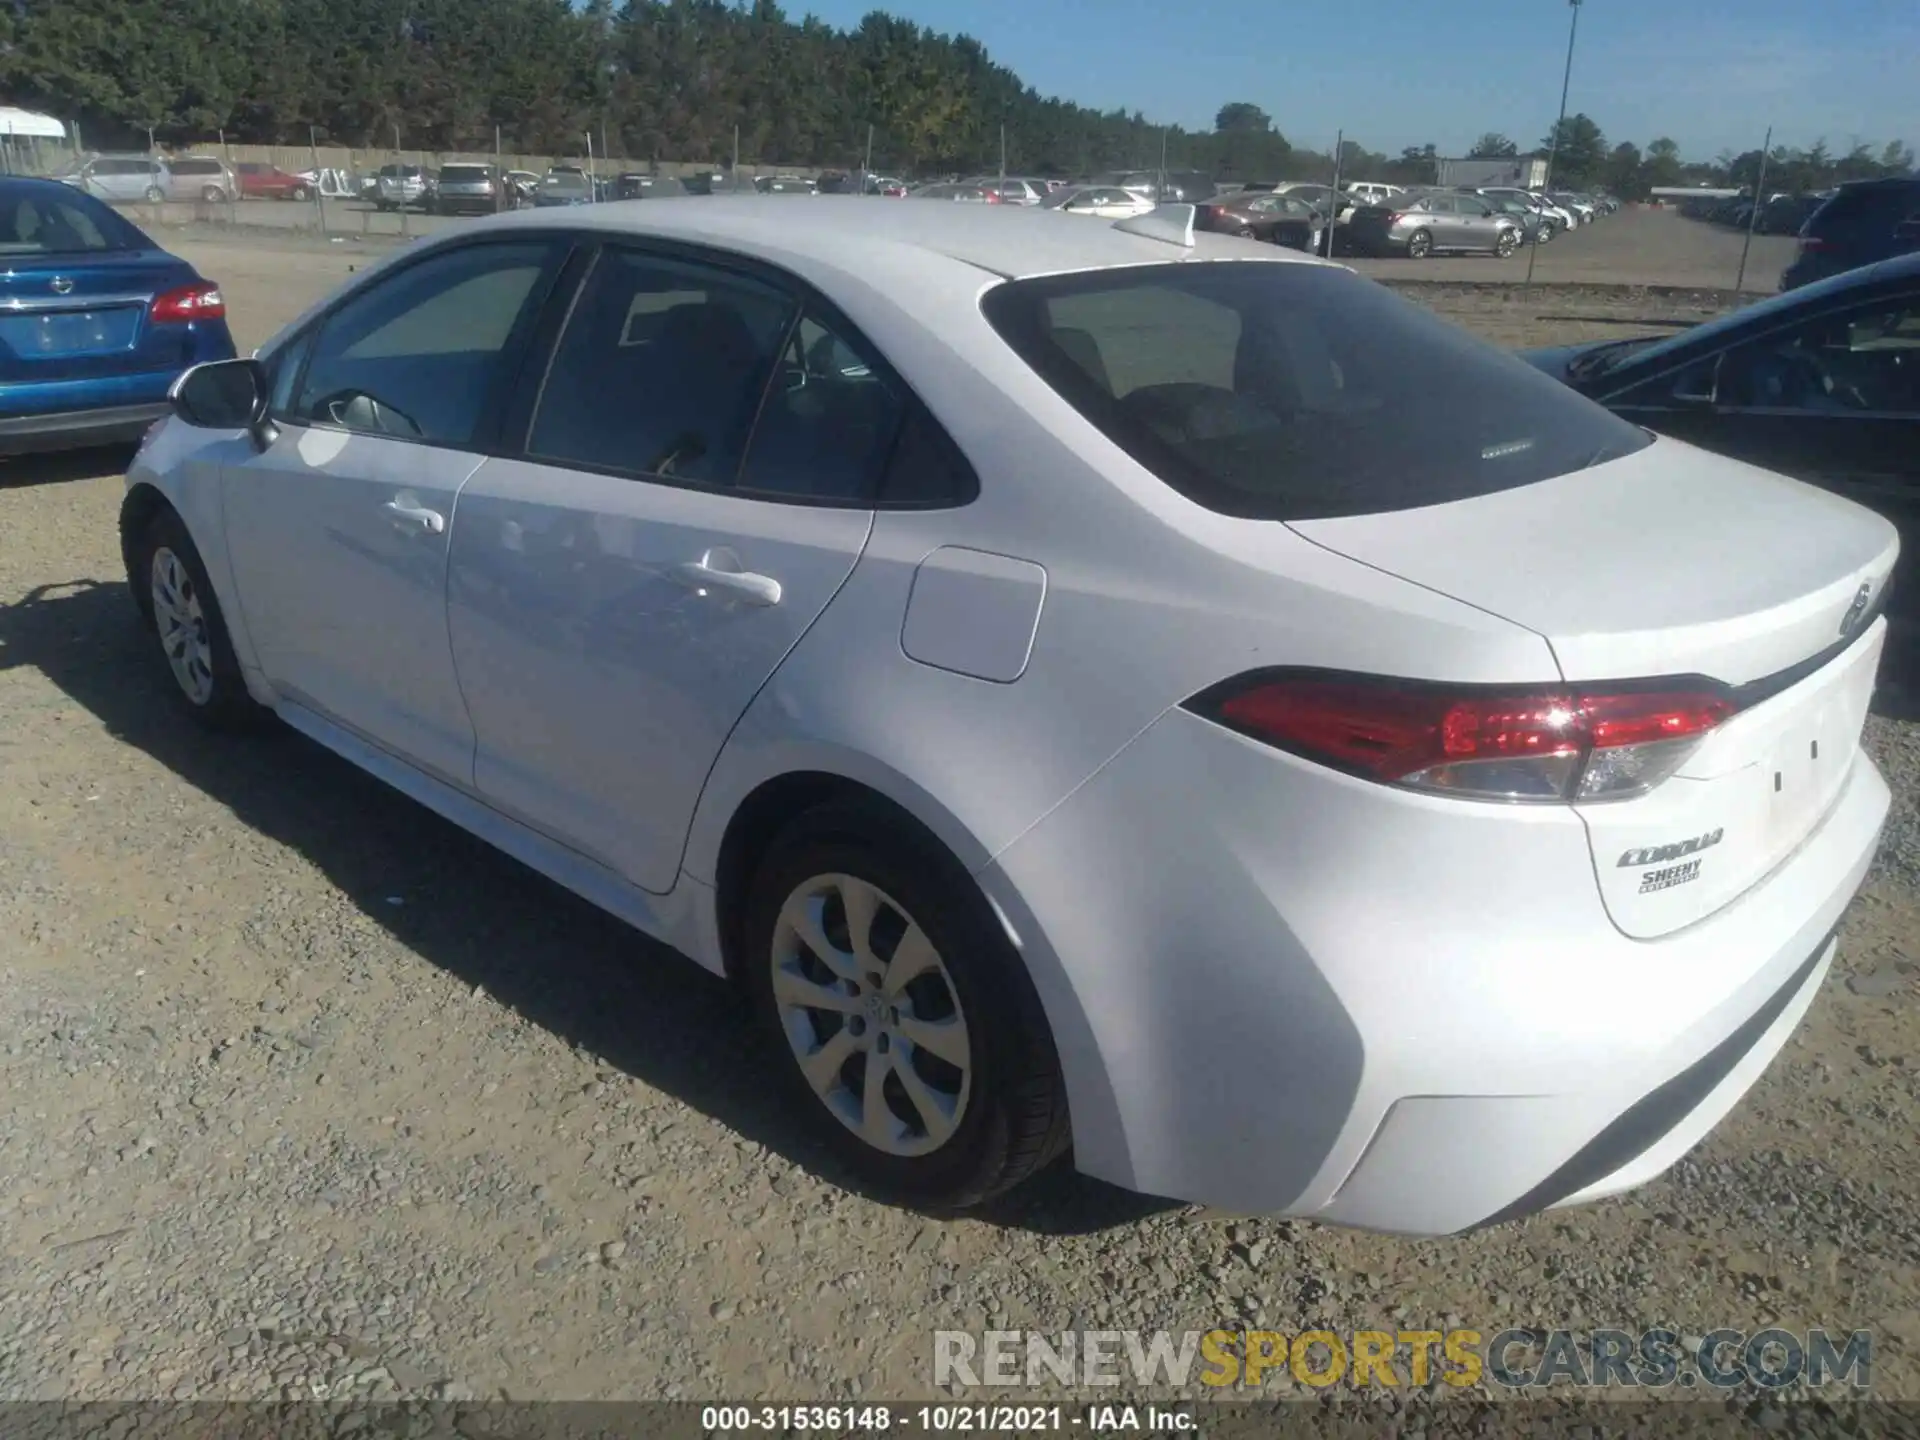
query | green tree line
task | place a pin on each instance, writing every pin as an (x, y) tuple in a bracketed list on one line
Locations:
[(679, 80)]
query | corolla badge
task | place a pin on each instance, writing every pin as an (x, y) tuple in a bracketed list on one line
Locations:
[(1850, 621), (1645, 855), (62, 285)]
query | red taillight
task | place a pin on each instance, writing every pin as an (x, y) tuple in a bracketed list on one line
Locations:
[(1552, 744), (993, 197), (1394, 217), (199, 301)]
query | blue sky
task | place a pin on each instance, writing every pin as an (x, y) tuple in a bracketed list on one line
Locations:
[(1713, 74)]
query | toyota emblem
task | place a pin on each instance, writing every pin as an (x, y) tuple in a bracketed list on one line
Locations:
[(61, 285)]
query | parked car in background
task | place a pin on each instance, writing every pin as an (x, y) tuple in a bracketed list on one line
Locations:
[(1421, 225), (564, 185), (1103, 202), (122, 178), (259, 181), (464, 189), (1352, 695), (1786, 214), (1373, 192), (96, 321), (1535, 227), (1821, 383), (1013, 190), (1860, 223), (200, 177), (965, 192), (1176, 187), (1578, 206), (785, 185), (1278, 219), (396, 186)]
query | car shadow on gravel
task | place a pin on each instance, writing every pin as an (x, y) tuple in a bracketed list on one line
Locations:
[(614, 995), (20, 471)]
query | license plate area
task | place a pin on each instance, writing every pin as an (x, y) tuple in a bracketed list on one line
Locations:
[(66, 334)]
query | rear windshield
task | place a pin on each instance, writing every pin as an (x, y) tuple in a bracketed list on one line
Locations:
[(45, 223), (1867, 207), (194, 167), (463, 174), (1297, 392)]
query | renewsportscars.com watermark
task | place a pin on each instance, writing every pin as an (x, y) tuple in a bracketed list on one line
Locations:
[(1511, 1359)]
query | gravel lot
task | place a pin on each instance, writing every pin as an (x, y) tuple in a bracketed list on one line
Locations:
[(314, 1095)]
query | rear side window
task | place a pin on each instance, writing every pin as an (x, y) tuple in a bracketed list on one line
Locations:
[(194, 167), (1297, 392), (661, 368)]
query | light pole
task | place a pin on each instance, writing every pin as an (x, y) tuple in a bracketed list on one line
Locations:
[(1553, 149)]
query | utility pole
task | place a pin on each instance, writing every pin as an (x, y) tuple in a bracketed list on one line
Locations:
[(1553, 150), (1753, 216), (866, 167), (1003, 151), (593, 181), (1161, 189), (319, 176)]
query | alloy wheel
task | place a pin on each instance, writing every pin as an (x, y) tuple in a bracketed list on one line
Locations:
[(182, 626), (871, 1014)]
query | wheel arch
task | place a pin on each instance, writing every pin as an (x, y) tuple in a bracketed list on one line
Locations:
[(732, 837), (138, 509), (731, 834)]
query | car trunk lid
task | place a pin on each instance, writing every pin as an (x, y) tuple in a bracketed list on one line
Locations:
[(1671, 563), (75, 316)]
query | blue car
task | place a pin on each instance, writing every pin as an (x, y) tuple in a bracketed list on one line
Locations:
[(96, 321)]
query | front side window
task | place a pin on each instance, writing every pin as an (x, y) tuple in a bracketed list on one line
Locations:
[(419, 354), (1292, 392), (660, 369), (1864, 359)]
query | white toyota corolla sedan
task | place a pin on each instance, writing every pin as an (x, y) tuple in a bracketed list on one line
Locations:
[(1097, 687)]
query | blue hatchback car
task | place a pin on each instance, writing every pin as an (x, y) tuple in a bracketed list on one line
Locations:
[(96, 321)]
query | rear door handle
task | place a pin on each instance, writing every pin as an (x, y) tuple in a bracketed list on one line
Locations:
[(416, 518), (702, 576)]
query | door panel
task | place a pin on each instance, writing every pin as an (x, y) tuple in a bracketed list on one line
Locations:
[(338, 532), (602, 670), (699, 482), (342, 575)]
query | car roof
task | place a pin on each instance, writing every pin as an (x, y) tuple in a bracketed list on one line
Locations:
[(1012, 242)]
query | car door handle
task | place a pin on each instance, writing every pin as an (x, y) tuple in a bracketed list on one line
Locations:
[(416, 517), (701, 576)]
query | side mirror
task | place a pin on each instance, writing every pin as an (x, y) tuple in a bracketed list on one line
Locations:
[(221, 395)]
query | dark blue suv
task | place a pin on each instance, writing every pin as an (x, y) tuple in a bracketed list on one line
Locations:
[(1867, 221), (96, 321)]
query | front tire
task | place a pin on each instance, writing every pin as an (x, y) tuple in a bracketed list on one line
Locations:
[(1419, 245), (184, 617), (155, 195), (300, 193), (911, 1035), (1507, 242)]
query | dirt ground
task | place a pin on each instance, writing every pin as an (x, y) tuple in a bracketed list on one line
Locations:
[(310, 1094)]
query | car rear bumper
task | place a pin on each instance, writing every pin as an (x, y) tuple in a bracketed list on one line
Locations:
[(1404, 1013), (77, 429)]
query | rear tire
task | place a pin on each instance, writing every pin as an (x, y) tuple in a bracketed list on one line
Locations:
[(300, 193), (212, 194), (155, 195), (1419, 245), (928, 1131), (183, 615)]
